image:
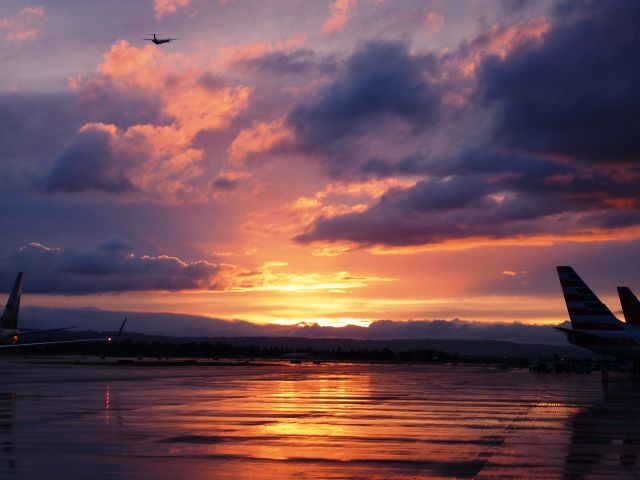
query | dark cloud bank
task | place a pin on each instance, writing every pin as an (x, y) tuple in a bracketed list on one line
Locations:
[(381, 81), (579, 93), (179, 325), (112, 266)]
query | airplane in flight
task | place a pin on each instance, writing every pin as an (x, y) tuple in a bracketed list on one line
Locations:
[(10, 334), (594, 327), (159, 41)]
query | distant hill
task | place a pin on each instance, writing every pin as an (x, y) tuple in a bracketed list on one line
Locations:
[(464, 348), (182, 325)]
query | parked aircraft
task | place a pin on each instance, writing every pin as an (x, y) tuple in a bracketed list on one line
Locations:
[(594, 327), (10, 334), (630, 306)]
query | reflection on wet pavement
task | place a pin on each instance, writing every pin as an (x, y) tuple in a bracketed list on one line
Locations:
[(314, 421), (7, 410)]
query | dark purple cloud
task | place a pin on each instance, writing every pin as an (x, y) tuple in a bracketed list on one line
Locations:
[(413, 164), (90, 164), (381, 81), (432, 212), (480, 194), (41, 149), (578, 94), (112, 266)]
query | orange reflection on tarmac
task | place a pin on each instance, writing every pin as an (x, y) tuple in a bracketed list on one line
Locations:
[(315, 407), (326, 421), (370, 421)]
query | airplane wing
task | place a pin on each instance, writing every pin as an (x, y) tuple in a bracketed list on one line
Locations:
[(29, 332), (577, 333), (36, 344), (61, 342), (582, 339)]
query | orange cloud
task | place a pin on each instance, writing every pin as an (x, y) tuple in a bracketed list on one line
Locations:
[(20, 27), (167, 7), (197, 109), (592, 235), (500, 41), (372, 189), (261, 137), (335, 199), (511, 273), (129, 66), (338, 15), (172, 77), (171, 163), (157, 160)]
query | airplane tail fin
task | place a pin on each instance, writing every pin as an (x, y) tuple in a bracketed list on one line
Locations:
[(586, 311), (630, 305), (9, 317)]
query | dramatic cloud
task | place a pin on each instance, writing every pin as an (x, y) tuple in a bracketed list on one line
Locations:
[(194, 106), (578, 93), (381, 81), (42, 135), (90, 163), (560, 92), (499, 42), (501, 136), (112, 266), (409, 165), (482, 195), (154, 161)]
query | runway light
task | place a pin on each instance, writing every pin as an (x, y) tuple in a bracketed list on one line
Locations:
[(109, 339)]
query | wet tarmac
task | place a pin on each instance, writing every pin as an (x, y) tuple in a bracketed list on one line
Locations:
[(324, 421)]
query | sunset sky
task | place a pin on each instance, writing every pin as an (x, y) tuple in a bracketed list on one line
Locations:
[(311, 161)]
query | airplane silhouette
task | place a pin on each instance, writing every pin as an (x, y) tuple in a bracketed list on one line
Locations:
[(10, 334), (159, 41)]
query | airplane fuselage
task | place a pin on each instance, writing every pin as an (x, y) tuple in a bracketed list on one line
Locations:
[(9, 336), (593, 325), (623, 343)]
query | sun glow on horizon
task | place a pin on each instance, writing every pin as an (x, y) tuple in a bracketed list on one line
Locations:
[(337, 163)]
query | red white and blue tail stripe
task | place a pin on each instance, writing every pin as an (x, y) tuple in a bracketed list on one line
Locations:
[(586, 311)]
